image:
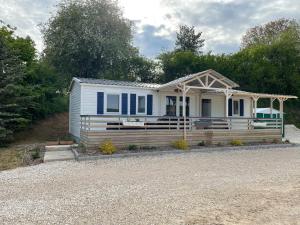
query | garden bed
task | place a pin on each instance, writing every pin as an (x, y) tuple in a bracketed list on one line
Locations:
[(86, 154)]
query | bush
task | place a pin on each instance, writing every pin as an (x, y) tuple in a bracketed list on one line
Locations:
[(201, 143), (132, 147), (35, 154), (180, 144), (276, 141), (107, 147), (236, 143)]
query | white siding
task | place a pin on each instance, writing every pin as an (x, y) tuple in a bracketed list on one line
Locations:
[(89, 97), (74, 110), (217, 104)]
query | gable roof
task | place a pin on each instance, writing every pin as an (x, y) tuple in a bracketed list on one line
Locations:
[(117, 83), (191, 76)]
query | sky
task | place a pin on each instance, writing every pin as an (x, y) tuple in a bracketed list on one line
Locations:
[(222, 22)]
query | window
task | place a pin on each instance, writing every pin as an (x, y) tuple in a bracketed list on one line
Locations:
[(236, 107), (171, 105), (113, 103), (187, 106), (141, 104)]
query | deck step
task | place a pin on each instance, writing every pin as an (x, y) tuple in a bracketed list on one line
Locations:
[(58, 147)]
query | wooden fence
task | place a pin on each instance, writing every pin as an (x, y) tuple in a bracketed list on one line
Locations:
[(162, 131)]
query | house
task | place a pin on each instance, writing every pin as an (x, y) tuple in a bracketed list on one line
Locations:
[(204, 106)]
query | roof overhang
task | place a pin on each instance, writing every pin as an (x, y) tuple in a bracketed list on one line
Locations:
[(205, 79)]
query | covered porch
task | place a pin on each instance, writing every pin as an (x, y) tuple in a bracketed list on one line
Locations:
[(202, 106)]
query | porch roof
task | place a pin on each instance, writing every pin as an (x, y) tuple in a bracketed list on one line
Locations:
[(257, 95), (219, 77)]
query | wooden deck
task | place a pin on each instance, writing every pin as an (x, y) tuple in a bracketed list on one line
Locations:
[(164, 132)]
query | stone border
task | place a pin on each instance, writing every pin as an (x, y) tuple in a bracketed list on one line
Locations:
[(200, 150)]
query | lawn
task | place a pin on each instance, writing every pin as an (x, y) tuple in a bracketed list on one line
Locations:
[(10, 158)]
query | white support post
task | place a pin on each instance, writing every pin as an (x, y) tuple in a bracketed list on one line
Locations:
[(271, 107), (281, 100), (227, 96), (184, 111), (255, 99)]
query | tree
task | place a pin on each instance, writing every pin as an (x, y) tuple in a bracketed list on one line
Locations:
[(15, 54), (188, 39), (266, 34), (89, 39), (144, 70)]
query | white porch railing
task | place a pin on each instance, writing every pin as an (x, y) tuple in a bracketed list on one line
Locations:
[(105, 122)]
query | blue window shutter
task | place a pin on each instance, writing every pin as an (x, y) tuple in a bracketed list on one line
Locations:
[(149, 104), (100, 102), (132, 104), (230, 107), (124, 103), (241, 107)]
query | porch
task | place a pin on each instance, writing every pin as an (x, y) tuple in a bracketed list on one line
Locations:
[(162, 130)]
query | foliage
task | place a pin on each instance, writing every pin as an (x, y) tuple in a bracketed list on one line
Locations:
[(89, 39), (35, 153), (15, 99), (180, 144), (188, 39), (201, 143), (132, 147), (264, 67), (107, 147), (236, 143), (29, 88), (144, 70), (266, 34)]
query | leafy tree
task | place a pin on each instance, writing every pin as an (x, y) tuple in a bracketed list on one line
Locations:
[(89, 39), (266, 34), (188, 39), (15, 54), (144, 70)]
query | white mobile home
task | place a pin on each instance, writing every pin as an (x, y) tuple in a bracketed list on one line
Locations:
[(202, 102)]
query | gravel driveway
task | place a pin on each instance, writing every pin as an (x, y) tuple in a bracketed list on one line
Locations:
[(234, 187)]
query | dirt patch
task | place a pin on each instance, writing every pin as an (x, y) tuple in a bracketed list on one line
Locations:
[(53, 128), (21, 155)]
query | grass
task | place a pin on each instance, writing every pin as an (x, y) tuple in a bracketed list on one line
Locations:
[(10, 158)]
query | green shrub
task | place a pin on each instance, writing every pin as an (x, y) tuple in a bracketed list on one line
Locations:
[(201, 143), (35, 154), (219, 144), (107, 147), (276, 141), (132, 147), (180, 144), (236, 143)]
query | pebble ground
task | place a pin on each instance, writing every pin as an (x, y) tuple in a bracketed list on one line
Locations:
[(232, 187)]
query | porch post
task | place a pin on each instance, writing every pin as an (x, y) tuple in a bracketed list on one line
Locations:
[(255, 99), (271, 107), (227, 96), (281, 100), (184, 111)]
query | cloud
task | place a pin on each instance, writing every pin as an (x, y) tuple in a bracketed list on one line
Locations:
[(223, 22), (152, 40), (26, 15)]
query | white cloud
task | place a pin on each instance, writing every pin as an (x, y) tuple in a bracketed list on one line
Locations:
[(222, 22)]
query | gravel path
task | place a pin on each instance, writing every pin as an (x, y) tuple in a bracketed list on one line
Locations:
[(234, 187)]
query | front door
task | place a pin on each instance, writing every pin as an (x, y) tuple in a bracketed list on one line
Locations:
[(206, 108)]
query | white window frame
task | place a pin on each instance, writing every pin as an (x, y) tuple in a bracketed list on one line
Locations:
[(120, 104), (137, 104)]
